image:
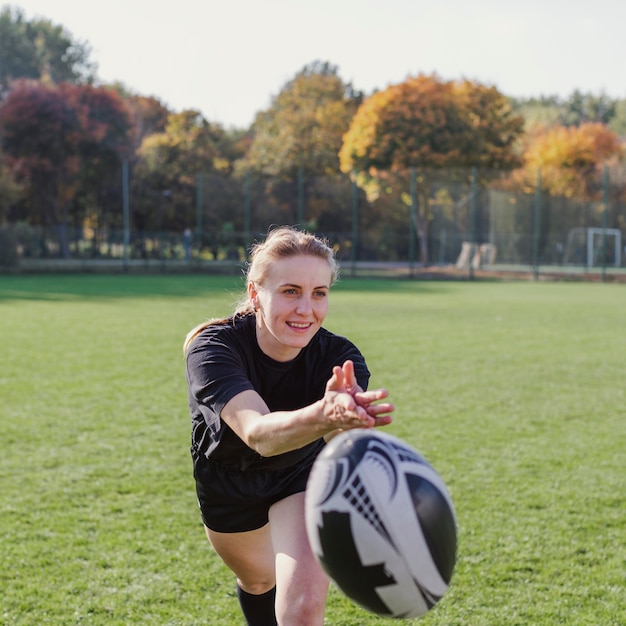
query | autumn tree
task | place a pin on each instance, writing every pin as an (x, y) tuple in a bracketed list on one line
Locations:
[(59, 142), (40, 136), (10, 191), (148, 114), (424, 123), (40, 50), (105, 140), (568, 157)]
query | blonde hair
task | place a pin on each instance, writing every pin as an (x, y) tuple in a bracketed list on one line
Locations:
[(280, 243)]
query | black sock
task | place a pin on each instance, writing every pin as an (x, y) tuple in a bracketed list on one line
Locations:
[(258, 610)]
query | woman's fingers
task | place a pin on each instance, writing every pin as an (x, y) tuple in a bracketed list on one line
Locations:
[(349, 377)]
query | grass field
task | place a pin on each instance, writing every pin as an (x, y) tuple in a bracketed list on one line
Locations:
[(514, 391)]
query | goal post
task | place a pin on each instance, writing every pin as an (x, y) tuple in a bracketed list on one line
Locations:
[(593, 239), (604, 233)]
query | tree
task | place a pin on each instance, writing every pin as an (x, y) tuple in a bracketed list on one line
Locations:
[(303, 128), (40, 136), (581, 108), (168, 167), (540, 111), (62, 143), (105, 140), (577, 109), (567, 156), (423, 123), (40, 50), (149, 115), (295, 145), (618, 122), (10, 191)]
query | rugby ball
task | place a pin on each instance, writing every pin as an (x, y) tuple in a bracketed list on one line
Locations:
[(381, 523)]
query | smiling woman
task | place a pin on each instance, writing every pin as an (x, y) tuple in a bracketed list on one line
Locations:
[(289, 313), (267, 387)]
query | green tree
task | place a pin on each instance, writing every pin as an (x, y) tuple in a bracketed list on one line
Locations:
[(543, 111), (169, 164), (618, 122), (582, 108), (579, 108), (303, 128), (295, 144), (426, 122), (41, 50)]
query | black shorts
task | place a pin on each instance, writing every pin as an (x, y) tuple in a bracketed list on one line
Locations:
[(232, 500)]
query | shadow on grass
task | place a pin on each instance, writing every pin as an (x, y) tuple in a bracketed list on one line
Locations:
[(98, 286)]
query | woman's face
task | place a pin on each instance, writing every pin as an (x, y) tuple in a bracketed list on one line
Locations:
[(291, 304)]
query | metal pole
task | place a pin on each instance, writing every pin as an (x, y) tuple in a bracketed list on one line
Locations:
[(199, 203), (442, 246), (537, 226), (605, 217), (412, 219), (300, 215), (126, 210), (473, 194), (246, 210), (355, 227)]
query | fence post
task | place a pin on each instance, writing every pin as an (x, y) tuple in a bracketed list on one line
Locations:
[(199, 202), (605, 217), (126, 211), (537, 226), (412, 219), (246, 210), (355, 226), (300, 215), (473, 228)]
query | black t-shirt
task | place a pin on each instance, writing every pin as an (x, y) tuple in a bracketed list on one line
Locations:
[(225, 359)]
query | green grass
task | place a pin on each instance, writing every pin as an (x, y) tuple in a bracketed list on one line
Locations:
[(514, 391)]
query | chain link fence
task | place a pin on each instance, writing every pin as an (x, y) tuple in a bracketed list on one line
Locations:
[(460, 219)]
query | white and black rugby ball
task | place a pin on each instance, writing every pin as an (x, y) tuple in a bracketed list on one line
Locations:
[(381, 523)]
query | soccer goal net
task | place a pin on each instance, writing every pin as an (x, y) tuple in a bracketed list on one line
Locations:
[(594, 246)]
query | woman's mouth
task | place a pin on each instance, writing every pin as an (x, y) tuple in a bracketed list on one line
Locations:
[(299, 325)]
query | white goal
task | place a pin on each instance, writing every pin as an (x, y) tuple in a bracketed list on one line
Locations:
[(592, 239)]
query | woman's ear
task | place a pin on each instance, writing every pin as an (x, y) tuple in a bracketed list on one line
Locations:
[(253, 295)]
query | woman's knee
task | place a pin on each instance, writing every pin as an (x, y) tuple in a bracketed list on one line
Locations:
[(304, 606), (255, 585), (249, 556)]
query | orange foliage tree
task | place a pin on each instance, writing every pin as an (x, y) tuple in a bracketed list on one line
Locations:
[(568, 157), (426, 122)]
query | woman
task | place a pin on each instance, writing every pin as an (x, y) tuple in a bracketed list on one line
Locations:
[(267, 387)]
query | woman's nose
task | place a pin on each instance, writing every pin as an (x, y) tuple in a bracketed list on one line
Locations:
[(304, 305)]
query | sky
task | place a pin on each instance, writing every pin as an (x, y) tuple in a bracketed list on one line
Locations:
[(229, 58)]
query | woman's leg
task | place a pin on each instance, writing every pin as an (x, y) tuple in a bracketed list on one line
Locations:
[(251, 557), (301, 584)]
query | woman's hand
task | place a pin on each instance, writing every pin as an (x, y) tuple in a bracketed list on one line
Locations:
[(347, 406)]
